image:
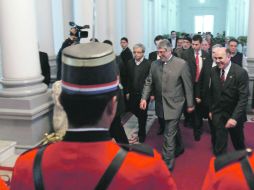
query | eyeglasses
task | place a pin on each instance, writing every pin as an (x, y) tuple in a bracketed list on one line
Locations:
[(137, 52)]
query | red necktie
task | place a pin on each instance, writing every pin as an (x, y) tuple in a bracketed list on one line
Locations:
[(222, 76), (197, 67)]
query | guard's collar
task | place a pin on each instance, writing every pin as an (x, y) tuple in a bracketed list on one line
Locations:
[(87, 136)]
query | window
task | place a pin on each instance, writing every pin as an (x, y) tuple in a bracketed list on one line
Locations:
[(204, 23)]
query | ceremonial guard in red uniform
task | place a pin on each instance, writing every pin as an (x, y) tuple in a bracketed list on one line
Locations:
[(87, 158), (232, 171)]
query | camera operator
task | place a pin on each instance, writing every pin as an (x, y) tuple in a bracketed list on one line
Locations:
[(71, 40)]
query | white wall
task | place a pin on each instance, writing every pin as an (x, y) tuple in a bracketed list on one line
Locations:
[(160, 17), (237, 18), (191, 8)]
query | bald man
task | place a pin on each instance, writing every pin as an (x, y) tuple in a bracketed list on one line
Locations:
[(228, 101)]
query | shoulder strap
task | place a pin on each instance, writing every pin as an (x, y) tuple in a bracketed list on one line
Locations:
[(104, 181), (111, 170), (237, 156), (226, 159), (139, 148), (37, 170), (248, 173)]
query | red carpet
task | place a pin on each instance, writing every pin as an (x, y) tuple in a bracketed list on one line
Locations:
[(191, 167)]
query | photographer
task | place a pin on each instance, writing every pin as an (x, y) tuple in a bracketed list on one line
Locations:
[(72, 40)]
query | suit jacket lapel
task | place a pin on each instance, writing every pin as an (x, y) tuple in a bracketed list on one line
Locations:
[(193, 57), (217, 77), (229, 78)]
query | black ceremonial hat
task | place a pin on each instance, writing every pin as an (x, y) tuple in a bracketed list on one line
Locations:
[(89, 69)]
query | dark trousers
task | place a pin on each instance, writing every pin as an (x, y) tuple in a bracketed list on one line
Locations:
[(117, 131), (205, 113), (134, 102), (187, 116), (197, 120), (162, 123), (221, 134), (212, 133)]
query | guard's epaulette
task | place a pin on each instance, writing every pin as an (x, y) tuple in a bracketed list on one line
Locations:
[(140, 148), (226, 159), (48, 139), (51, 138)]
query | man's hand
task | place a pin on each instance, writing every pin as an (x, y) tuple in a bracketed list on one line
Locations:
[(190, 109), (210, 115), (151, 98), (198, 100), (231, 123), (127, 96), (142, 104)]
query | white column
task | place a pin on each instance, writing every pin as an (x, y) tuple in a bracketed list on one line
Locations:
[(157, 14), (45, 26), (110, 22), (250, 52), (25, 102), (21, 67), (134, 22), (102, 28), (67, 13), (250, 42), (119, 15), (83, 15)]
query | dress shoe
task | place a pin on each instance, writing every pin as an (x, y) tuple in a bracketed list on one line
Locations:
[(170, 164), (160, 132), (141, 139), (187, 124), (179, 152)]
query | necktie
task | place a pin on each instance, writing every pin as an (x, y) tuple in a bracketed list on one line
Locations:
[(222, 76), (197, 66)]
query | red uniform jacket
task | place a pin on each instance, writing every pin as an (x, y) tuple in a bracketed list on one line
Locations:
[(3, 186), (230, 177), (73, 164)]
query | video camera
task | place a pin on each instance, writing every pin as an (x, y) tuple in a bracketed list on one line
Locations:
[(80, 30)]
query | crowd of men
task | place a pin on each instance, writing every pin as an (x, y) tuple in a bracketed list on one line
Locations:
[(190, 76)]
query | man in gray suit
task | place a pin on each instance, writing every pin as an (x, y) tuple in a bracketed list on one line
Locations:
[(170, 80)]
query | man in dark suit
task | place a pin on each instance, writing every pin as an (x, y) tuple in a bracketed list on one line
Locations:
[(125, 55), (116, 128), (197, 60), (228, 101), (170, 80), (173, 39), (137, 71), (185, 46), (179, 46), (204, 83), (178, 53), (236, 57), (153, 56), (45, 68), (71, 40)]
